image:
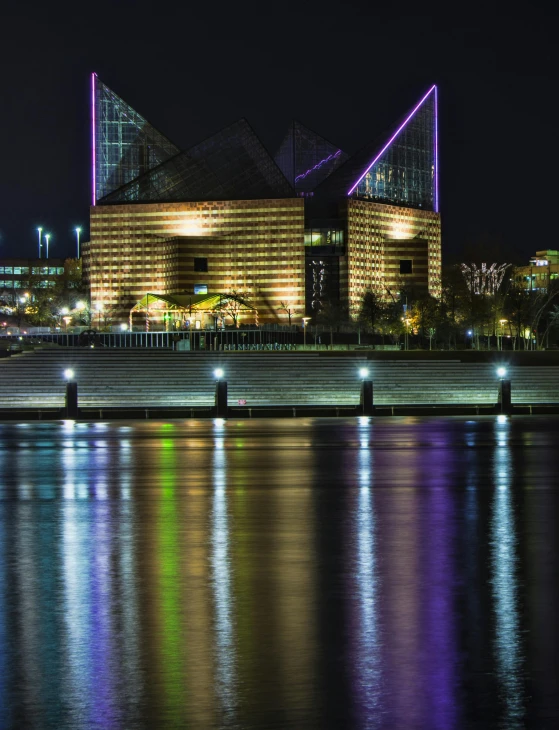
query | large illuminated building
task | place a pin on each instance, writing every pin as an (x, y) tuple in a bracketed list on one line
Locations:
[(308, 225)]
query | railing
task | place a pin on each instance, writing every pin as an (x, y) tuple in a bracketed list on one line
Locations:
[(273, 337)]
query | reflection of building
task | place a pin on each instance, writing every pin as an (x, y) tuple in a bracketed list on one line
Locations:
[(17, 275), (225, 216), (542, 269)]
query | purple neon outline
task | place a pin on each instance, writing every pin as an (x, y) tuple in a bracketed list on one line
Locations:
[(387, 145), (436, 150), (318, 165), (93, 150)]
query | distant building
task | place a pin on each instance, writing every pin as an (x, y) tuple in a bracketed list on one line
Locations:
[(306, 226), (18, 275), (542, 269)]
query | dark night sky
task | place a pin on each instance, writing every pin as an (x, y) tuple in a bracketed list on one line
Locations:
[(339, 69)]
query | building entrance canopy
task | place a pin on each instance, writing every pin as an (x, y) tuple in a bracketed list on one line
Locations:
[(177, 309)]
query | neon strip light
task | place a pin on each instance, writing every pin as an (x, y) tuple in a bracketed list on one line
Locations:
[(436, 151), (387, 145), (93, 179), (318, 164)]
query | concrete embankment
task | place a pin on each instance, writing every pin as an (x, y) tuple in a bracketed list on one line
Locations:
[(148, 382)]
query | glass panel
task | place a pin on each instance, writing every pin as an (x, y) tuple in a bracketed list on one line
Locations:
[(233, 164), (404, 174), (126, 145), (306, 158)]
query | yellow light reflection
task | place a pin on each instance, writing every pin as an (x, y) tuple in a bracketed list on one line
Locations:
[(226, 670)]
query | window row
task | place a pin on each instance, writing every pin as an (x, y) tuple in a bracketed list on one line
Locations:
[(36, 270)]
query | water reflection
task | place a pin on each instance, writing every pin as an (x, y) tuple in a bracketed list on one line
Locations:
[(504, 580), (367, 648), (225, 649), (288, 574)]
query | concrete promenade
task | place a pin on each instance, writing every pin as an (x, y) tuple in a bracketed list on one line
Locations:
[(122, 381)]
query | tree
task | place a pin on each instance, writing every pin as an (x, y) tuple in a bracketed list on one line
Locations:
[(233, 304), (333, 314), (286, 307), (371, 312)]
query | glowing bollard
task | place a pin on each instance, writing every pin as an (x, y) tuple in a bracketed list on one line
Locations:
[(220, 394), (366, 400), (505, 396), (71, 400)]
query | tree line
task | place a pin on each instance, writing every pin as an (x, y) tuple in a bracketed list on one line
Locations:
[(512, 316)]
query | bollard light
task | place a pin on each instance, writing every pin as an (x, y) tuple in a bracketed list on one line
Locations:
[(501, 372), (363, 372), (218, 373), (68, 374)]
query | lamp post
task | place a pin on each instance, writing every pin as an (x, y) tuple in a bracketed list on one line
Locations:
[(305, 321), (502, 322), (78, 231), (40, 232), (47, 237)]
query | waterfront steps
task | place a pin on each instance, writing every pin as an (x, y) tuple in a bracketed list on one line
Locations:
[(148, 378)]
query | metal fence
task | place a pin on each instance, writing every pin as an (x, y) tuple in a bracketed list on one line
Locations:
[(267, 337)]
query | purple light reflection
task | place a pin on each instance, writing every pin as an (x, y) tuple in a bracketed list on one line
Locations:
[(387, 145)]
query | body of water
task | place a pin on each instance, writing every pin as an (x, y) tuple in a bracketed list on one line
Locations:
[(298, 573)]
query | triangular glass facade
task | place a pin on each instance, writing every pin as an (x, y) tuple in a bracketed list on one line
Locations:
[(232, 164), (306, 158), (125, 145), (405, 170)]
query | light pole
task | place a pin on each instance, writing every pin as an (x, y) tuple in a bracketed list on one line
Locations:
[(47, 236), (99, 308), (78, 231), (305, 320), (40, 232)]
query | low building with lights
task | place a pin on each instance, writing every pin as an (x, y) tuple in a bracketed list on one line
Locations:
[(286, 232), (542, 270)]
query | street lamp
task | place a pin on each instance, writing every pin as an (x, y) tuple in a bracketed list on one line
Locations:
[(47, 237), (502, 322), (78, 231), (305, 321), (218, 373), (363, 372), (40, 232), (99, 308)]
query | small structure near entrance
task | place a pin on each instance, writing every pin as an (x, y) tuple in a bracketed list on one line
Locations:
[(171, 312)]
